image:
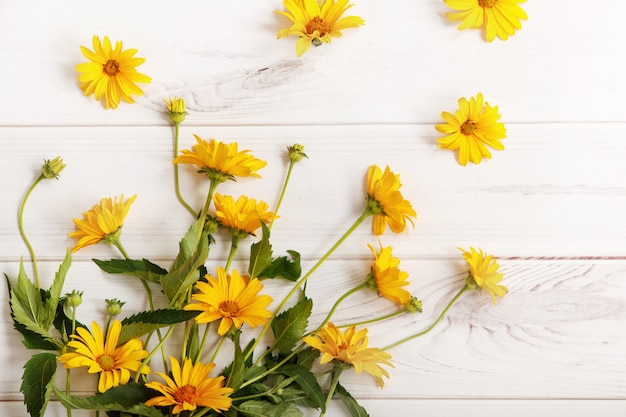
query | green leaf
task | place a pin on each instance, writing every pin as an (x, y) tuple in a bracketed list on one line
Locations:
[(54, 294), (143, 323), (284, 268), (188, 244), (127, 398), (307, 356), (307, 381), (140, 268), (353, 407), (255, 408), (289, 326), (260, 253), (37, 382), (28, 295), (237, 368)]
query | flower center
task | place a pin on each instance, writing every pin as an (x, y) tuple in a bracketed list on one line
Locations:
[(319, 24), (106, 362), (111, 67), (186, 394), (468, 128), (229, 308), (487, 3)]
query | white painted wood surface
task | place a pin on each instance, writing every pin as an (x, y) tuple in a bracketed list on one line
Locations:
[(550, 207)]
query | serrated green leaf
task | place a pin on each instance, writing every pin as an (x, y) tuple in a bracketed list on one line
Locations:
[(289, 326), (307, 381), (148, 321), (256, 408), (307, 356), (355, 409), (260, 253), (54, 293), (140, 268), (237, 368), (127, 398), (188, 244), (28, 295), (284, 268), (37, 382)]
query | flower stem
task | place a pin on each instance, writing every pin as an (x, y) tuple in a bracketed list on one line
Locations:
[(282, 192), (176, 182), (333, 386), (233, 250), (432, 326), (204, 338), (302, 280), (153, 352), (218, 348), (212, 187), (339, 301), (20, 223), (374, 320)]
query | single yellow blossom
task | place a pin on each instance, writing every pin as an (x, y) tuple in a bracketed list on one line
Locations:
[(316, 23), (472, 127), (386, 202), (233, 299), (102, 222), (242, 217), (112, 73), (220, 161), (483, 274), (52, 168), (176, 109), (190, 387), (114, 363), (351, 348), (499, 17), (386, 278)]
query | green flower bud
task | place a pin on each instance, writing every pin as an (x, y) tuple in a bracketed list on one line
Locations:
[(176, 109), (414, 305), (114, 306), (74, 298), (296, 152), (52, 169)]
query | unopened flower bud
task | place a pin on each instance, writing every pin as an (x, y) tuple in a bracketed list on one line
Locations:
[(176, 109), (296, 152), (52, 169), (211, 225), (74, 298), (414, 305), (114, 306)]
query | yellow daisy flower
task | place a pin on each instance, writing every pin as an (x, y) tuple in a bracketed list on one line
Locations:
[(112, 73), (499, 17), (386, 202), (232, 299), (102, 222), (103, 356), (483, 273), (220, 161), (242, 217), (351, 348), (315, 23), (472, 127), (386, 279), (190, 387)]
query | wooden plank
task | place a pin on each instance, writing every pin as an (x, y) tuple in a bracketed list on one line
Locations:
[(406, 65)]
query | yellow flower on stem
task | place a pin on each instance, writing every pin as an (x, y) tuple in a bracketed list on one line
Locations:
[(385, 201), (499, 17), (386, 278), (315, 23), (112, 73), (190, 387), (351, 348), (220, 161), (472, 127), (232, 299), (483, 274), (176, 109), (242, 217), (103, 222), (114, 363)]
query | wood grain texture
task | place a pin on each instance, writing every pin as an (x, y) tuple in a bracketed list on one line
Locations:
[(550, 207)]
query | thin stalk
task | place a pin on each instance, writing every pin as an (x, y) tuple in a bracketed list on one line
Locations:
[(282, 192), (176, 182), (381, 318), (233, 250), (212, 187), (339, 301), (218, 348), (302, 280), (203, 342), (273, 368), (153, 352), (432, 326), (332, 388), (20, 224)]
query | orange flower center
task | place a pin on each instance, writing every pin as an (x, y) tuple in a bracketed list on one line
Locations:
[(106, 362), (111, 67), (468, 128), (319, 24), (229, 308), (186, 394), (487, 3)]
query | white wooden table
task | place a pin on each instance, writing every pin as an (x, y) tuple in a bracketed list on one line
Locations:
[(551, 207)]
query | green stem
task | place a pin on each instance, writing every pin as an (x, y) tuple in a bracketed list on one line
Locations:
[(333, 386), (273, 368), (212, 187), (68, 391), (176, 182), (20, 224), (233, 250), (204, 338), (282, 192), (302, 280), (339, 301), (374, 320), (432, 326), (153, 352), (218, 348)]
